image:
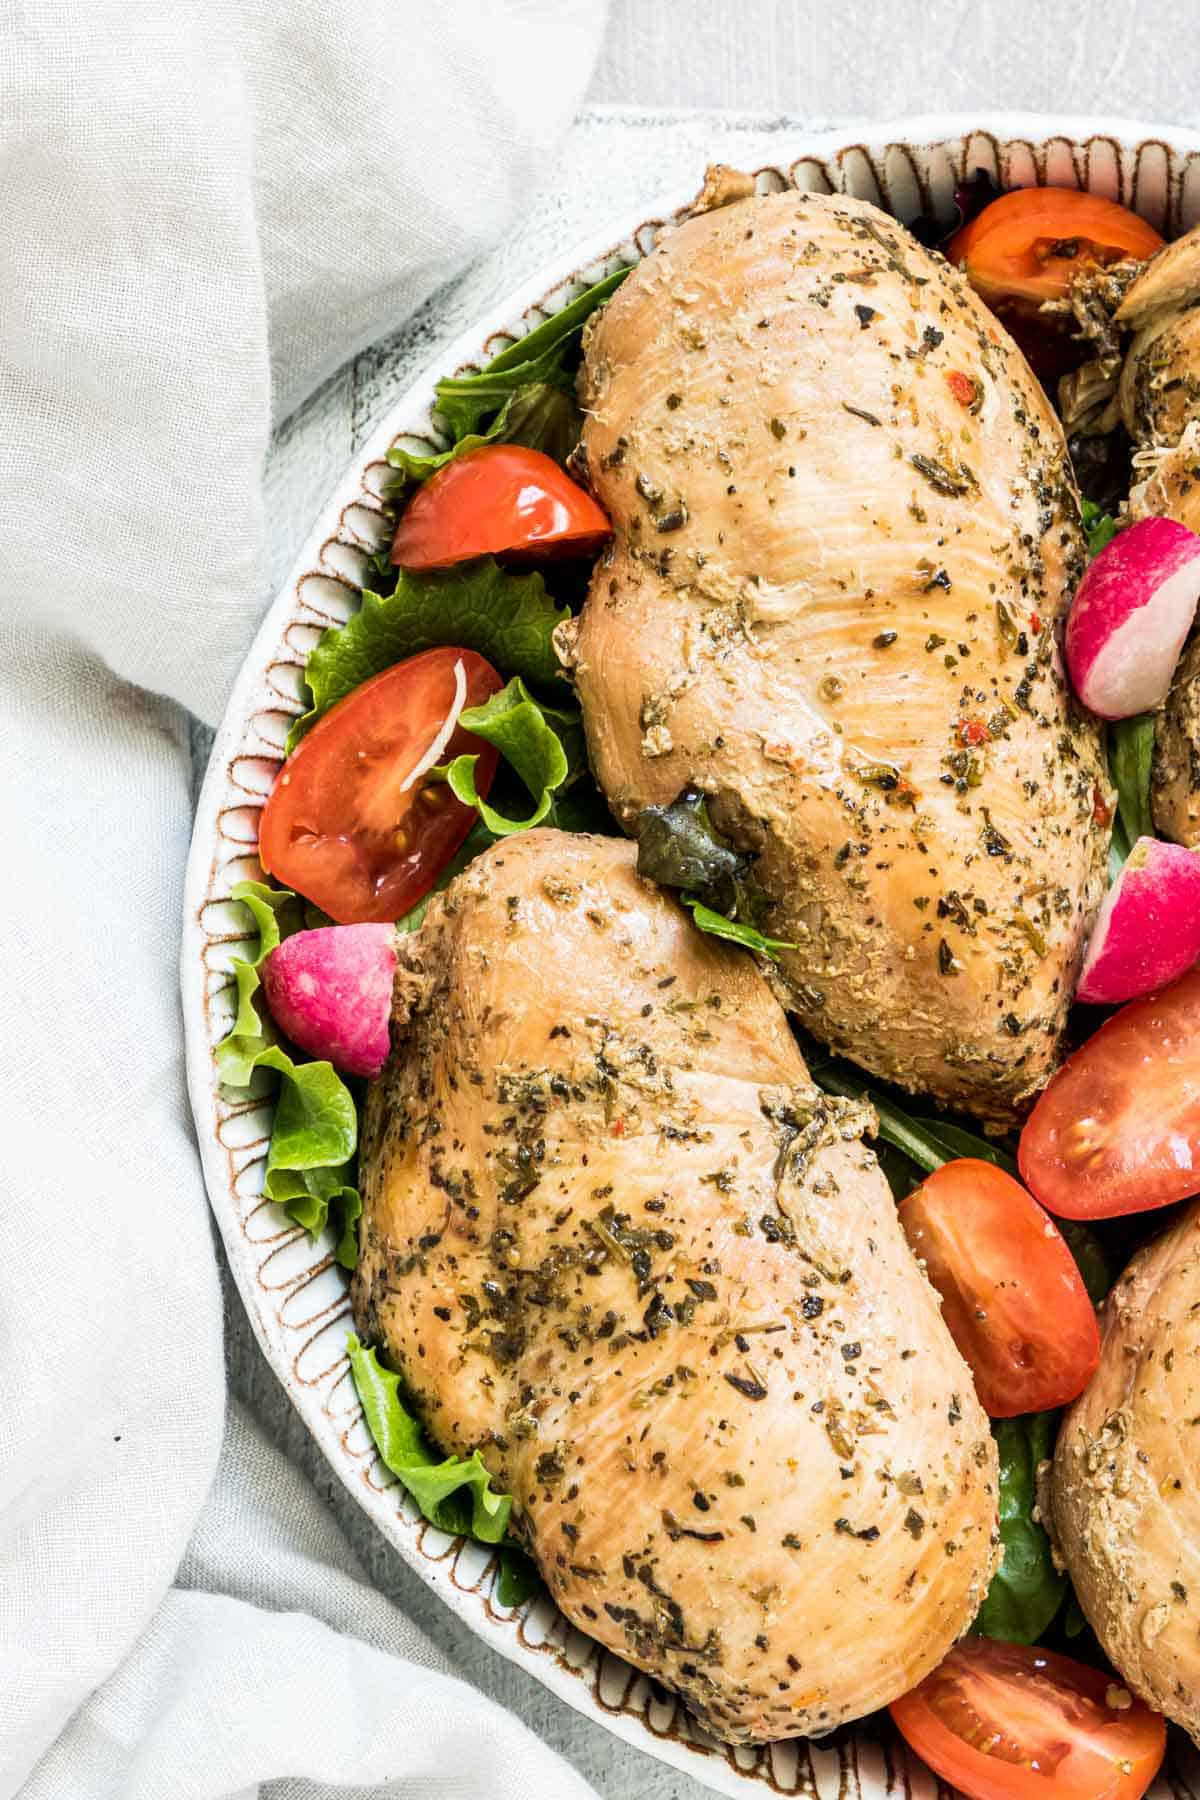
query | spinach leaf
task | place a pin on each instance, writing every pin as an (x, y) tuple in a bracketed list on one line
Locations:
[(926, 1142), (1026, 1590), (547, 355), (519, 1579), (680, 847), (454, 1494), (540, 416), (510, 619), (1130, 758), (310, 1162), (1091, 1258)]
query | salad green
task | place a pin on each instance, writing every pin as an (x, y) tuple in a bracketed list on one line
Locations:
[(544, 746), (454, 1493), (1130, 760), (540, 416), (509, 619), (1026, 1590), (310, 1163), (547, 355), (1099, 527)]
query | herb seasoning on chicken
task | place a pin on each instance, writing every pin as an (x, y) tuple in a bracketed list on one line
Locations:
[(616, 1239), (845, 536)]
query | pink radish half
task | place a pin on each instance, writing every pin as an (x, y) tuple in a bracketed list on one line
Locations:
[(330, 991), (1130, 615), (1148, 930)]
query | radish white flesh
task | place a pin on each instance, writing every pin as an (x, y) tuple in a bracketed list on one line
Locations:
[(330, 991), (1148, 930), (1130, 615)]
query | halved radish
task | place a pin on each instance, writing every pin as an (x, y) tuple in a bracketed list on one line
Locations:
[(1148, 930), (1130, 615), (330, 991)]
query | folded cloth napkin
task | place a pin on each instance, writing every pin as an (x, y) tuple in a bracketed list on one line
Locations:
[(209, 204)]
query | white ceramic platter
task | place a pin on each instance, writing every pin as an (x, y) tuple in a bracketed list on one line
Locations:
[(296, 1295)]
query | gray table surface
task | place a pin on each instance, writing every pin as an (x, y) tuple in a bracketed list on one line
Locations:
[(814, 63)]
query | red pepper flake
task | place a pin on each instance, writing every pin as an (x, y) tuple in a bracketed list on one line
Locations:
[(1102, 812), (1035, 624), (961, 386), (973, 732), (618, 1127)]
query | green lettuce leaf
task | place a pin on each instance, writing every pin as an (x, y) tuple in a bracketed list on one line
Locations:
[(1099, 527), (455, 1494), (1026, 1590), (540, 416), (534, 740), (507, 618), (548, 355), (315, 1135), (717, 925)]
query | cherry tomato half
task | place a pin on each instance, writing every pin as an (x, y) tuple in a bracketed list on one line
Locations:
[(1012, 1722), (493, 501), (1118, 1128), (350, 823), (1012, 1295), (1029, 244)]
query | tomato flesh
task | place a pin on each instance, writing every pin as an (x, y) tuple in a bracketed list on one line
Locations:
[(1031, 243), (1028, 246), (1010, 1722), (350, 823), (1118, 1128), (498, 500), (1012, 1295)]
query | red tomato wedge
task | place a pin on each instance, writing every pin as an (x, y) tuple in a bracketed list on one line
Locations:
[(352, 822), (1012, 1295), (1029, 245), (1012, 1722), (1118, 1128), (497, 500)]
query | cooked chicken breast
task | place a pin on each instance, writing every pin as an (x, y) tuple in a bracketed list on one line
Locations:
[(614, 1238), (845, 534), (1127, 1478)]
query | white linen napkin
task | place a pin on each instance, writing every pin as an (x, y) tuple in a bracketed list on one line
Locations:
[(208, 205)]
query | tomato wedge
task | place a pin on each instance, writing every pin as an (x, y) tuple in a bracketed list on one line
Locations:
[(1030, 244), (352, 822), (1118, 1128), (1012, 1295), (1012, 1722), (498, 500)]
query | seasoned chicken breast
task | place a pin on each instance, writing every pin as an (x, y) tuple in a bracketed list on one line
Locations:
[(1127, 1478), (615, 1238), (845, 535)]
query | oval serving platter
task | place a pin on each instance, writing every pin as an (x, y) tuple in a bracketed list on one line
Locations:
[(295, 1293)]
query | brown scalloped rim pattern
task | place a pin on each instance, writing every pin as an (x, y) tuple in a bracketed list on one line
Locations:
[(296, 1294)]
